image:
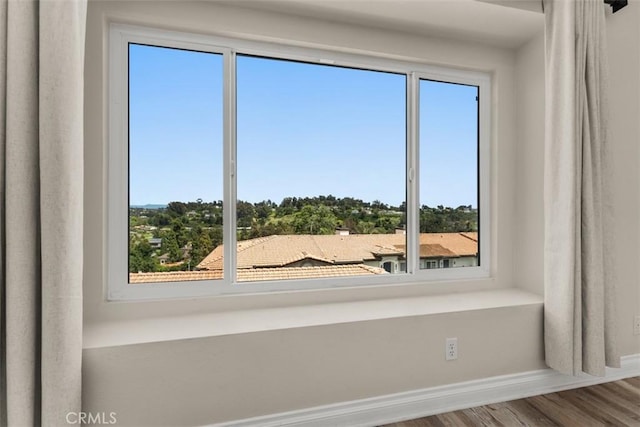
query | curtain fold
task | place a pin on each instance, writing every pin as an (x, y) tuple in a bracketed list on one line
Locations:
[(579, 324), (41, 192)]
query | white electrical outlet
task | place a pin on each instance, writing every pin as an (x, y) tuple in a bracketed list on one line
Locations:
[(451, 349), (636, 325)]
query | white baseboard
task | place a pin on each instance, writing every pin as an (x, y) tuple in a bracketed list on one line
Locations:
[(435, 400)]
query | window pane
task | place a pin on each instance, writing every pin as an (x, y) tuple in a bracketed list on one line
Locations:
[(175, 163), (449, 214), (321, 170)]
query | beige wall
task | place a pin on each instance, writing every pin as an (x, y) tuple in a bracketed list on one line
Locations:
[(198, 381), (530, 160), (624, 63), (207, 380)]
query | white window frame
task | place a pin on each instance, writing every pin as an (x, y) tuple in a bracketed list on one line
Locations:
[(117, 241)]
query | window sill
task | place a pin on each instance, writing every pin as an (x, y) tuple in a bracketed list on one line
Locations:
[(110, 334)]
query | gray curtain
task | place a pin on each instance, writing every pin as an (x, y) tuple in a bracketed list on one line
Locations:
[(579, 285), (41, 185)]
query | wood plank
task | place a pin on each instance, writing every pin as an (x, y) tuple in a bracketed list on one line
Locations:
[(432, 422), (597, 409), (635, 382), (562, 413), (627, 389), (610, 395), (621, 389), (529, 414), (481, 416), (456, 419), (505, 413)]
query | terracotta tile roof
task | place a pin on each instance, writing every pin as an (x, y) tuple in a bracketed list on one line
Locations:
[(257, 274), (433, 251), (280, 251), (283, 273), (462, 244), (174, 276), (473, 235)]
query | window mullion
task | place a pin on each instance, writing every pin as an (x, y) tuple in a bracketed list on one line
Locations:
[(484, 181), (230, 182), (413, 220)]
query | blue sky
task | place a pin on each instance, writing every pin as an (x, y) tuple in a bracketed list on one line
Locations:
[(448, 144), (303, 130)]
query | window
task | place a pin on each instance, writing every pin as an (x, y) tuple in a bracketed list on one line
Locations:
[(387, 266), (239, 166), (448, 164), (175, 158), (429, 264), (312, 141)]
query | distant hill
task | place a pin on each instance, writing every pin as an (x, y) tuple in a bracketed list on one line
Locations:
[(149, 206)]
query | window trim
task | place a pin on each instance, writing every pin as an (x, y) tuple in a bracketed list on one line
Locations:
[(117, 233)]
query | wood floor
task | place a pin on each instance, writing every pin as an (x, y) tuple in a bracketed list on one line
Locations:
[(611, 404)]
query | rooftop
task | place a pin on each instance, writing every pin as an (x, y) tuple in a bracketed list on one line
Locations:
[(283, 250), (245, 275)]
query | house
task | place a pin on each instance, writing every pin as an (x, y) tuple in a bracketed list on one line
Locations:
[(155, 242), (387, 251), (280, 257), (321, 355)]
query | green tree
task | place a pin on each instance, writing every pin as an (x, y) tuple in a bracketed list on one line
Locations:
[(176, 208), (388, 224), (215, 234), (201, 247), (263, 210), (245, 213), (315, 220), (365, 227), (141, 258), (170, 245)]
